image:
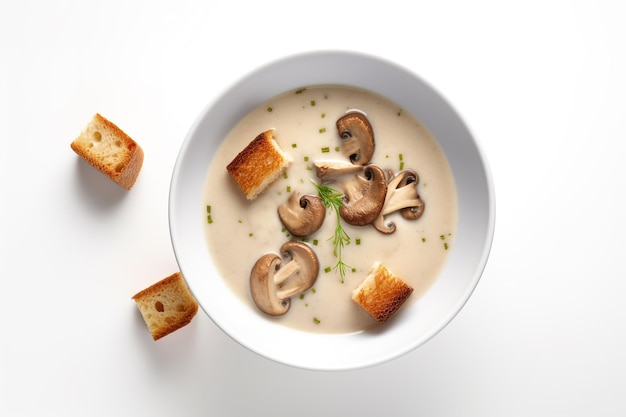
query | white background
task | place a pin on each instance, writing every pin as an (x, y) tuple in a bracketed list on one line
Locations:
[(542, 85)]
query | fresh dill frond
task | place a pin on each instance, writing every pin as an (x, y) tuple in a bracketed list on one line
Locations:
[(332, 198)]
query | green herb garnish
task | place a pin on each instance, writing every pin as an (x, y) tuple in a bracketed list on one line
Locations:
[(332, 198)]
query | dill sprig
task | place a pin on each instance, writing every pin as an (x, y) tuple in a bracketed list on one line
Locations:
[(332, 198)]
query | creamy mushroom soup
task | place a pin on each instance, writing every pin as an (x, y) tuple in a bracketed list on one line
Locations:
[(240, 231)]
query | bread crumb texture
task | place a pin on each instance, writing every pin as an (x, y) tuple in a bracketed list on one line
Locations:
[(111, 151), (167, 305), (258, 165), (381, 293)]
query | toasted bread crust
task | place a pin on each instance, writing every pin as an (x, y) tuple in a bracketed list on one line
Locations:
[(167, 305), (111, 151), (258, 164), (381, 293)]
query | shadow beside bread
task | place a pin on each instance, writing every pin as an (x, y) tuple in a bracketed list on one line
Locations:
[(97, 188)]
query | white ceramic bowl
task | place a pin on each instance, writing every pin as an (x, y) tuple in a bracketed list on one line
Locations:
[(421, 320)]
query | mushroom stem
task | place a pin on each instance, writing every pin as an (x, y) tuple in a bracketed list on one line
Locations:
[(287, 280), (401, 198), (290, 281), (290, 292), (330, 171), (285, 272)]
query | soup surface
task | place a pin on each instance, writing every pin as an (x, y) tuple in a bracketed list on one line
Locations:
[(240, 231)]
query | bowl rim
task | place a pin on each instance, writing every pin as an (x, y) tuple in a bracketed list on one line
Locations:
[(336, 363)]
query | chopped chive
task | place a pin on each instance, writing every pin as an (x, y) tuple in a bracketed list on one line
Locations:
[(423, 239), (294, 145), (285, 175), (323, 115), (300, 90), (250, 234), (313, 290), (283, 230), (353, 270), (337, 148), (306, 159), (209, 219), (322, 130), (312, 103), (289, 188), (357, 241), (208, 209), (325, 149), (327, 269), (401, 165), (309, 168), (301, 296), (399, 112), (240, 221), (445, 245), (316, 320), (315, 242), (304, 239), (269, 109), (442, 237), (400, 157)]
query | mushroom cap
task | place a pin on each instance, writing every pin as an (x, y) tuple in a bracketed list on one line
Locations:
[(264, 289), (302, 215), (308, 268), (357, 137), (410, 178), (364, 196)]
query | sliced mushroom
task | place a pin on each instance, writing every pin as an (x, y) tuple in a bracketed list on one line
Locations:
[(357, 137), (301, 269), (264, 288), (401, 195), (364, 196), (302, 215), (274, 279), (330, 171)]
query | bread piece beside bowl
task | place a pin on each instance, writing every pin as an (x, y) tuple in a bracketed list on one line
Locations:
[(167, 305), (111, 151)]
